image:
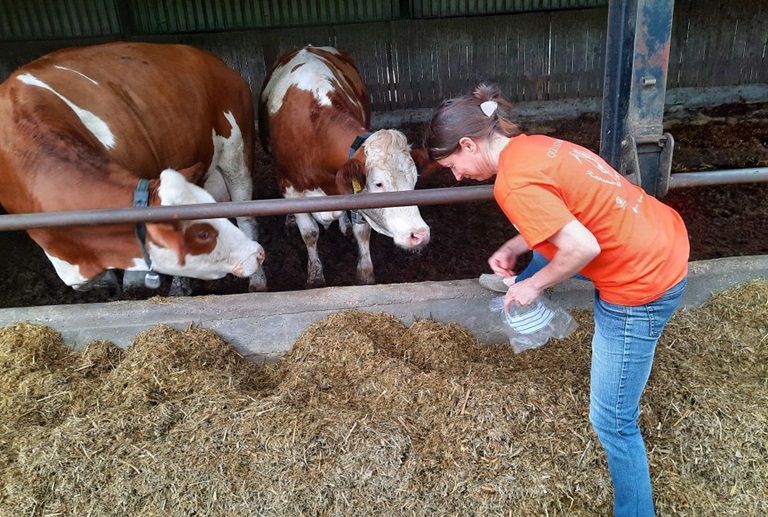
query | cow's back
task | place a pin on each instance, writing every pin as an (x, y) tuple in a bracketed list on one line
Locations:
[(81, 125), (307, 96), (163, 98)]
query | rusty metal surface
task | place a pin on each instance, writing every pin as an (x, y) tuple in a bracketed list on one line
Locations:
[(638, 45)]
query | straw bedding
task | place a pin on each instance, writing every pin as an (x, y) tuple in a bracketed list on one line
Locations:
[(369, 417)]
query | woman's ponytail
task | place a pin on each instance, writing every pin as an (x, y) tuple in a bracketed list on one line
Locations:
[(478, 115)]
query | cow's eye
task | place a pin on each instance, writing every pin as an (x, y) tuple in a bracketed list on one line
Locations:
[(203, 235), (379, 185)]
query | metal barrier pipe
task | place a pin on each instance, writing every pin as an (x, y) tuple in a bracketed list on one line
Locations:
[(719, 177), (265, 207)]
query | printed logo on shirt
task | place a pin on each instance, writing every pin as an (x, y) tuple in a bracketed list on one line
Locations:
[(595, 168), (552, 151), (622, 203)]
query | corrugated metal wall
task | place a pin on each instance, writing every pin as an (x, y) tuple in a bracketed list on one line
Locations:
[(442, 8), (163, 16), (45, 19), (51, 19), (418, 61)]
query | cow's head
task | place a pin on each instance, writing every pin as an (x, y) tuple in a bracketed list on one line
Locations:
[(385, 164), (204, 248)]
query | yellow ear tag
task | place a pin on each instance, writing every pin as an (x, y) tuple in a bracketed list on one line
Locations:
[(356, 186)]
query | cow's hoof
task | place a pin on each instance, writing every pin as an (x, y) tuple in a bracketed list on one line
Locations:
[(315, 282), (365, 277), (257, 282), (180, 286), (315, 276)]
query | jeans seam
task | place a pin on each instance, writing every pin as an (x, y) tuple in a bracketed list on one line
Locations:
[(623, 376), (651, 320)]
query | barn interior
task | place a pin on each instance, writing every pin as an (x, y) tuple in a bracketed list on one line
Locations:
[(179, 423)]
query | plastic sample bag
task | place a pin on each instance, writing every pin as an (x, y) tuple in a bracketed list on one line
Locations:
[(533, 325)]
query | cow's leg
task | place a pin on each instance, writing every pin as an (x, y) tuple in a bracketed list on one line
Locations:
[(362, 233), (229, 161), (345, 225), (310, 232), (218, 187), (180, 286), (290, 223)]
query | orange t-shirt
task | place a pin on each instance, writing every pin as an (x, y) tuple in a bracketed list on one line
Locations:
[(544, 183)]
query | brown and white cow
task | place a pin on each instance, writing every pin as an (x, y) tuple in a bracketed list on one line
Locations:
[(80, 127), (313, 108)]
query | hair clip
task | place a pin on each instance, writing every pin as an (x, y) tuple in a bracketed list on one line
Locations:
[(489, 107)]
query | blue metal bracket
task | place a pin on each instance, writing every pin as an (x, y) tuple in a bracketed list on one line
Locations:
[(637, 57)]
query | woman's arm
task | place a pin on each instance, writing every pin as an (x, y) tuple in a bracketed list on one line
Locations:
[(502, 262), (576, 247)]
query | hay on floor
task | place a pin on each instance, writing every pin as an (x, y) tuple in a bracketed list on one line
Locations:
[(366, 416)]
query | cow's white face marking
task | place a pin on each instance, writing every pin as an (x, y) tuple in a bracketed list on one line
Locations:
[(309, 72), (234, 252), (76, 72), (94, 124), (69, 273), (390, 168)]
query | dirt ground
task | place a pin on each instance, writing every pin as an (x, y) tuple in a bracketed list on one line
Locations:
[(722, 221)]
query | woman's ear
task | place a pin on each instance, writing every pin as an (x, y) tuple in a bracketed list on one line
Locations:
[(350, 178), (467, 144)]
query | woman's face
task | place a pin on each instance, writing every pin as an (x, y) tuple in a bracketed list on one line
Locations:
[(469, 161)]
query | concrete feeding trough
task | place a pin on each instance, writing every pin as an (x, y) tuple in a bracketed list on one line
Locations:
[(263, 326)]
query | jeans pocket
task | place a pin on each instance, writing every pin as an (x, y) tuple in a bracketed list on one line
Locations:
[(660, 310), (610, 318)]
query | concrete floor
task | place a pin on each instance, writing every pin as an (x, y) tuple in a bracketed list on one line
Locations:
[(262, 326)]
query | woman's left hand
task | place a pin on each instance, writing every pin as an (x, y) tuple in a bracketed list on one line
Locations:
[(523, 293)]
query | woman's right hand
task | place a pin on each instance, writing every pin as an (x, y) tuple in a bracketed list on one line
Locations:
[(502, 262)]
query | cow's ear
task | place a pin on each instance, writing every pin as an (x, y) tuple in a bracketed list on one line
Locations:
[(424, 164), (431, 173), (169, 236), (351, 176), (193, 173)]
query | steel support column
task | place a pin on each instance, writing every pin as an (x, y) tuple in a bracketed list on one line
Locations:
[(637, 56)]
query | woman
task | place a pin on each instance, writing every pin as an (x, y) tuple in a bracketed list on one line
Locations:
[(572, 208)]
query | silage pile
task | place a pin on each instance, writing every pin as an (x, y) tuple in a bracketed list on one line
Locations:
[(369, 417)]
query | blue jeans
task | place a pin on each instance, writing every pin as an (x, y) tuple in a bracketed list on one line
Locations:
[(537, 262), (622, 355)]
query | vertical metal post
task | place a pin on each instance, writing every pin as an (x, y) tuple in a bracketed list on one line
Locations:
[(637, 57)]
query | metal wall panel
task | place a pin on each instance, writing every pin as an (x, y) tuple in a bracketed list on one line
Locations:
[(177, 16), (443, 8), (723, 42), (52, 19), (412, 63)]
